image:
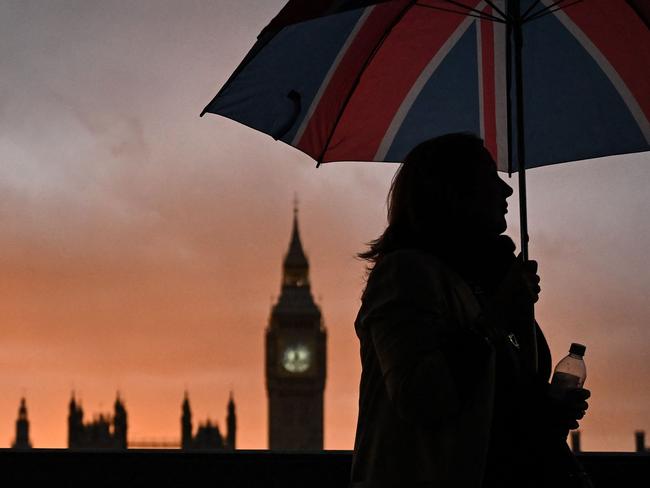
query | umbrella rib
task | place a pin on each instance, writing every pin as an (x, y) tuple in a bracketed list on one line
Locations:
[(530, 9), (551, 8), (481, 15), (477, 11), (357, 80), (497, 9), (544, 8)]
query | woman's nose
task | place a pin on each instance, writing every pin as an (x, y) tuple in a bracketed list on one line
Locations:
[(507, 189)]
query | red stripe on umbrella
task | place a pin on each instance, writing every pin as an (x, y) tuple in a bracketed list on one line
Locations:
[(387, 81), (316, 134)]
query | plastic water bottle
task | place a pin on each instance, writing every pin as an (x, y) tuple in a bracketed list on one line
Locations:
[(570, 373)]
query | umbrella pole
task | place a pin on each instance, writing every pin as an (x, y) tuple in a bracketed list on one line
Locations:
[(517, 24)]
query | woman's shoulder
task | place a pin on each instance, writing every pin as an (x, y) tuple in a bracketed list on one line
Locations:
[(408, 261), (406, 279), (411, 270)]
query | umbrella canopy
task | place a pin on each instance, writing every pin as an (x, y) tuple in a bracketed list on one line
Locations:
[(541, 81), (367, 80)]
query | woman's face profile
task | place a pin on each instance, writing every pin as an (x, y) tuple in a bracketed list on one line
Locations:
[(486, 205), (477, 196)]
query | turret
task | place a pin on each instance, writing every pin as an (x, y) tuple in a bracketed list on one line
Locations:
[(120, 426), (22, 428), (639, 441), (231, 422), (75, 422), (186, 424)]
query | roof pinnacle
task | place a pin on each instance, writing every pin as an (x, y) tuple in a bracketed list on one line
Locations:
[(296, 266)]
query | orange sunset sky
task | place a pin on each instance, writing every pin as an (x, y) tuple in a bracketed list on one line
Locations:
[(141, 246)]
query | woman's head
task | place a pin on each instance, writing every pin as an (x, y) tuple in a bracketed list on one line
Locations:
[(447, 188)]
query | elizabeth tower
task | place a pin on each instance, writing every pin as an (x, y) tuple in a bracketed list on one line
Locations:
[(295, 357)]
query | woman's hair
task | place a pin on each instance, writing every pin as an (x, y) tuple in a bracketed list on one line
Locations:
[(426, 193)]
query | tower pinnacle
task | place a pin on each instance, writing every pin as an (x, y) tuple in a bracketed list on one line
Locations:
[(22, 428), (186, 423), (231, 424), (296, 266)]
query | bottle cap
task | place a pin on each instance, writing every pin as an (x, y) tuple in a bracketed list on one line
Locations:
[(578, 349)]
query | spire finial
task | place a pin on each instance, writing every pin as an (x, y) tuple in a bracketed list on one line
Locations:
[(296, 267)]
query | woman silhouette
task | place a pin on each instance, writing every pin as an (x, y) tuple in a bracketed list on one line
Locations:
[(449, 394)]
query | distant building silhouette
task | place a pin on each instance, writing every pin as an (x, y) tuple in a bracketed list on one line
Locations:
[(208, 435), (231, 424), (103, 432), (295, 357), (22, 428), (639, 441)]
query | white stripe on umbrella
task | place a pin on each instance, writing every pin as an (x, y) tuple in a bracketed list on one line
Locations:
[(632, 105), (419, 84), (501, 94), (497, 117), (330, 73)]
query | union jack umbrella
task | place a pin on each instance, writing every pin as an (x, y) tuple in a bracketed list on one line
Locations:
[(355, 80), (541, 81)]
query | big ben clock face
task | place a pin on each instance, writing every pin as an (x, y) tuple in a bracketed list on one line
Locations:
[(296, 358)]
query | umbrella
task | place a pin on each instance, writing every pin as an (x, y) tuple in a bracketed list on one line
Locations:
[(541, 81)]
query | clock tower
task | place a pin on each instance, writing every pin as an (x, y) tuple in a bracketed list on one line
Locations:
[(295, 357)]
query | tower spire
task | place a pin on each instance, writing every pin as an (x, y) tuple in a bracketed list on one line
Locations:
[(231, 424), (120, 423), (186, 423), (296, 266), (295, 357), (22, 428)]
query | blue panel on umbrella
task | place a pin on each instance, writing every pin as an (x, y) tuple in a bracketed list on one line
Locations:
[(449, 101), (298, 59), (572, 109)]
